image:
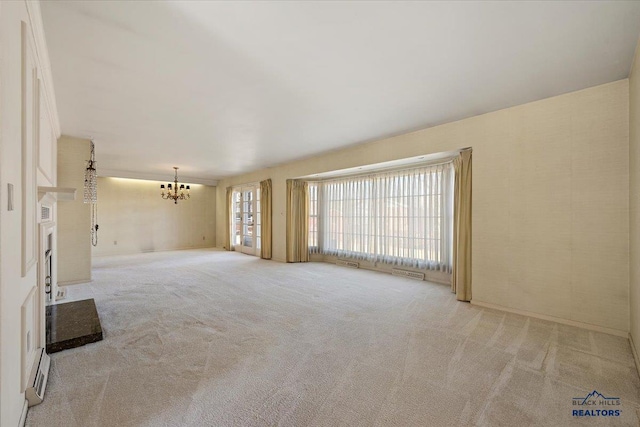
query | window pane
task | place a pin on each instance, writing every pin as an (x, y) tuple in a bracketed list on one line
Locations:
[(313, 217), (400, 217)]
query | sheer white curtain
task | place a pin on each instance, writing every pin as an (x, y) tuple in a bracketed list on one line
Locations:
[(400, 217)]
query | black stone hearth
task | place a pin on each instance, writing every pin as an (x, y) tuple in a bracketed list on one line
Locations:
[(72, 324)]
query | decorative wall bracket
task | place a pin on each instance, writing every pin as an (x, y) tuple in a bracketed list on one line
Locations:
[(52, 194)]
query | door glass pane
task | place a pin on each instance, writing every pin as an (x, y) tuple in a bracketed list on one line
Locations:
[(246, 219), (236, 237), (236, 219)]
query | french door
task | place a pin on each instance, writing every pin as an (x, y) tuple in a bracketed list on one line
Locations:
[(246, 219)]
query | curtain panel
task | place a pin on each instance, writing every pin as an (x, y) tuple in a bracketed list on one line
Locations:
[(228, 244), (402, 218), (461, 275), (265, 218), (297, 221)]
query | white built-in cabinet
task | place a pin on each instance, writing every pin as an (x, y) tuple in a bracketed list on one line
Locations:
[(29, 130)]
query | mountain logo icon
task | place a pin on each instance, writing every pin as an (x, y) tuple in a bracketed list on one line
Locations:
[(594, 396)]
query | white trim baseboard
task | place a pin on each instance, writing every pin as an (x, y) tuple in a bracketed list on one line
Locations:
[(23, 415), (635, 354), (189, 248), (582, 325), (74, 282)]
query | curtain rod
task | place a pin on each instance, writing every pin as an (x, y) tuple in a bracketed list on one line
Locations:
[(246, 184), (383, 170)]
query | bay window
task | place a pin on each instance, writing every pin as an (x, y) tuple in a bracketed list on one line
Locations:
[(402, 217)]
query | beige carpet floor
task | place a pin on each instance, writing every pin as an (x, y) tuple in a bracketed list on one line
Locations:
[(210, 338)]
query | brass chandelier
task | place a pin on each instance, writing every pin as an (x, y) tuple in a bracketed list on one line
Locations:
[(173, 192)]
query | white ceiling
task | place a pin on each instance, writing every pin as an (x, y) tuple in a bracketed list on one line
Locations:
[(221, 88)]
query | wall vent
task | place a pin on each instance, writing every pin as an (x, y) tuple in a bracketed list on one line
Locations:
[(45, 213), (345, 263), (38, 379), (409, 274)]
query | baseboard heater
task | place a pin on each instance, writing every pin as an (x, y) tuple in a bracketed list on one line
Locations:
[(38, 378), (345, 263), (407, 273)]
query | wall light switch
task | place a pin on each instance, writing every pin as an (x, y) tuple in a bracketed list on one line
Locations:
[(10, 197)]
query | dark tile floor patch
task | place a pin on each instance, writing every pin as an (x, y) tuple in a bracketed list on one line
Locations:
[(72, 324)]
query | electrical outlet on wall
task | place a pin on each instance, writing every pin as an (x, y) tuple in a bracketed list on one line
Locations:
[(115, 242)]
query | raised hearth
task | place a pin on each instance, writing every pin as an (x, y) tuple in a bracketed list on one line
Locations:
[(72, 324)]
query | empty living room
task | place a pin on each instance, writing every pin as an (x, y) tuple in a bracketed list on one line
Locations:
[(319, 213)]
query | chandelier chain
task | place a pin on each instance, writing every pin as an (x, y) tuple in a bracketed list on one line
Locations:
[(91, 192)]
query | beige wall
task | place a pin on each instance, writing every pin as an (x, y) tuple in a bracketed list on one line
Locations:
[(634, 198), (74, 218), (134, 218), (550, 201)]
